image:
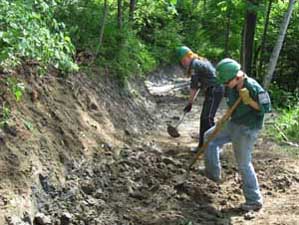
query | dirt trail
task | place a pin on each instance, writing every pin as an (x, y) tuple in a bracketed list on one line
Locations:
[(277, 172), (98, 156), (278, 175)]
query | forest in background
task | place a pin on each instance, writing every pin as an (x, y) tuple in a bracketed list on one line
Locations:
[(134, 37)]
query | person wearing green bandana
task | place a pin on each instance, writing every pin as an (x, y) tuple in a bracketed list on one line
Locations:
[(241, 130)]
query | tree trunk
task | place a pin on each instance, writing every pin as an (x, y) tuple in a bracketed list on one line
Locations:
[(103, 25), (278, 45), (248, 37), (226, 42), (203, 20), (132, 10), (264, 37), (119, 14), (242, 46)]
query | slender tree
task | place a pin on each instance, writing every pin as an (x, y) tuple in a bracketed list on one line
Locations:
[(103, 20), (132, 9), (119, 14), (264, 38), (248, 35), (278, 45), (228, 23)]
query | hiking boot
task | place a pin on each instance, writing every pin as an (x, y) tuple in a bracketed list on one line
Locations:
[(202, 171), (251, 206)]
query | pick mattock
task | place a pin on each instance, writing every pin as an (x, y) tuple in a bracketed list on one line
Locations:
[(201, 150)]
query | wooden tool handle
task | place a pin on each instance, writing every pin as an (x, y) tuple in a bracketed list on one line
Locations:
[(218, 127)]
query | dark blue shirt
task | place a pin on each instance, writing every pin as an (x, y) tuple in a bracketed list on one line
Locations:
[(202, 71)]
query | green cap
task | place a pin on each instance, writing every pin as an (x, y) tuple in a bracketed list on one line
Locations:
[(226, 70), (182, 52)]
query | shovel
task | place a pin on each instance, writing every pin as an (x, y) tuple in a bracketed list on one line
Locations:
[(200, 152), (172, 130)]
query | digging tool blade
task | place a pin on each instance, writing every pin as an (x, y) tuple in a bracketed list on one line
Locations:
[(172, 130)]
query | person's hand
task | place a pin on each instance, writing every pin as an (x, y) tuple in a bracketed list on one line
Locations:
[(188, 108), (244, 94)]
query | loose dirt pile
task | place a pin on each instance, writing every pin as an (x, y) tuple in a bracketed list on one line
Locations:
[(81, 151)]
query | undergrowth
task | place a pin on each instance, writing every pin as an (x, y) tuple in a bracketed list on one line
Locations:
[(286, 125)]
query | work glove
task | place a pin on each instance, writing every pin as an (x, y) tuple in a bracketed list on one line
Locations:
[(244, 94), (188, 108)]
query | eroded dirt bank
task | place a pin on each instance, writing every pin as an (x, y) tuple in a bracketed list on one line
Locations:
[(80, 151)]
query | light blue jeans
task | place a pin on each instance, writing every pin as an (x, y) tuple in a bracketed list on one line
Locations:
[(243, 140)]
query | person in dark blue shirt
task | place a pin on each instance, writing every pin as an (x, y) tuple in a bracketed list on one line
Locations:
[(202, 74)]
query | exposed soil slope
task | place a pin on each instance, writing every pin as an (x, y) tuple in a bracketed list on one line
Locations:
[(80, 151)]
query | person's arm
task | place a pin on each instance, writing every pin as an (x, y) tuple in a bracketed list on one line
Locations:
[(247, 100), (254, 105), (192, 95), (193, 90)]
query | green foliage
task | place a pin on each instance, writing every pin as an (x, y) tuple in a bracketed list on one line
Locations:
[(12, 86), (28, 125), (160, 26), (29, 32), (15, 87), (205, 24), (287, 125), (127, 57), (281, 98), (287, 68), (135, 49), (82, 20), (155, 24), (5, 115), (37, 30)]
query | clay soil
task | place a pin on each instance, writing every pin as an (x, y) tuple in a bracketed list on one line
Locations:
[(82, 151)]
